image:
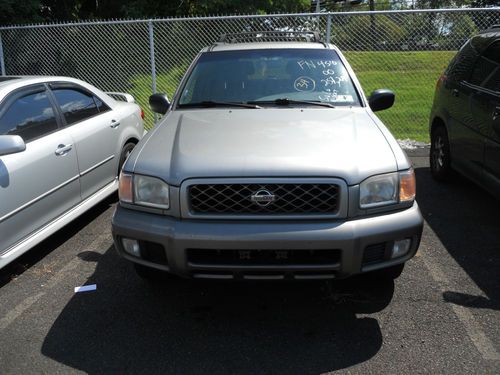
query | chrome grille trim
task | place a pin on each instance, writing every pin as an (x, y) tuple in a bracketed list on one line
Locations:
[(306, 198)]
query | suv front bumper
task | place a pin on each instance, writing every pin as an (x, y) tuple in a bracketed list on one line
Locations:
[(172, 239)]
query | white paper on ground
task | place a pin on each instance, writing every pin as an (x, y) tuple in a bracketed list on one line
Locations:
[(85, 288)]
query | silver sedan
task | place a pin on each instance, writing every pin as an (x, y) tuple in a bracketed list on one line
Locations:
[(62, 145)]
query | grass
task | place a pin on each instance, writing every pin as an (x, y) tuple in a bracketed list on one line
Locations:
[(165, 83), (411, 75)]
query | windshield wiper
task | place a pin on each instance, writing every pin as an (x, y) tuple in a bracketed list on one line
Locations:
[(286, 101), (211, 103)]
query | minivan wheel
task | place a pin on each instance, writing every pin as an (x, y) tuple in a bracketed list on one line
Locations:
[(126, 150), (440, 158)]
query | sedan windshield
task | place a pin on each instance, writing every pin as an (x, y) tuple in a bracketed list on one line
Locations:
[(270, 77)]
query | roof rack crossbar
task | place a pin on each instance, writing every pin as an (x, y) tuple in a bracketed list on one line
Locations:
[(492, 28), (271, 36)]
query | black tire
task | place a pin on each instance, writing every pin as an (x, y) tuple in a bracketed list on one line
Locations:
[(440, 157), (126, 150), (150, 274), (389, 273)]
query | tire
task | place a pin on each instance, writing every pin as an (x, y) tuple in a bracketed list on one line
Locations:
[(389, 273), (440, 157), (126, 150)]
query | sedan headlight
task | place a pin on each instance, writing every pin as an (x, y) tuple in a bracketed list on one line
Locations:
[(387, 189), (144, 190)]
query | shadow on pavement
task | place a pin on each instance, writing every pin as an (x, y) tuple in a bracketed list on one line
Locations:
[(38, 252), (467, 300), (184, 326), (467, 221)]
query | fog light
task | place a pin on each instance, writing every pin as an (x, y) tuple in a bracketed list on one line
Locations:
[(400, 248), (131, 247)]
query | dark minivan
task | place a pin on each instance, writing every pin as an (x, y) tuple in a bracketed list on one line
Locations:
[(465, 116)]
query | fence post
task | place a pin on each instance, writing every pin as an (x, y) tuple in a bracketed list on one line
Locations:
[(328, 26), (152, 59), (2, 61)]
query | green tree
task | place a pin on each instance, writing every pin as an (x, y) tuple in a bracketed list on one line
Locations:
[(67, 10), (204, 7), (358, 32), (14, 12)]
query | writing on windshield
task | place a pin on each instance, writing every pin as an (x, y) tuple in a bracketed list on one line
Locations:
[(266, 75)]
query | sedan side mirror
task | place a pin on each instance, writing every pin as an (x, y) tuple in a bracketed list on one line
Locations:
[(159, 103), (11, 144), (381, 99)]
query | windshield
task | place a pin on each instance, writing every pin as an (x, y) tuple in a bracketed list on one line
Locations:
[(265, 75)]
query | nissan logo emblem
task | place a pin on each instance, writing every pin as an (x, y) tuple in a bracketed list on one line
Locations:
[(263, 197)]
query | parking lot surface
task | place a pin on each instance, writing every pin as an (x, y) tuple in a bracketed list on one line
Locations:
[(441, 316)]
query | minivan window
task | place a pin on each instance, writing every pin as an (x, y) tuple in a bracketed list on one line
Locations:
[(30, 117), (493, 82), (463, 63), (75, 105), (493, 52), (482, 70)]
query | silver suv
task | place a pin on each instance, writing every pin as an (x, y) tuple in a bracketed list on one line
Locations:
[(268, 164)]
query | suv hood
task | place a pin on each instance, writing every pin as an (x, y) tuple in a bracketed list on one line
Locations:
[(269, 142)]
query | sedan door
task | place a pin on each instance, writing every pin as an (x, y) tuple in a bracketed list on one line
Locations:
[(41, 183), (95, 130)]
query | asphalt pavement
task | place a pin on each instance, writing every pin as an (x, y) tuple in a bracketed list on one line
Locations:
[(441, 316)]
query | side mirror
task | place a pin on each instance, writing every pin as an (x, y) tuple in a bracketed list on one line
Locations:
[(159, 103), (381, 99), (11, 144)]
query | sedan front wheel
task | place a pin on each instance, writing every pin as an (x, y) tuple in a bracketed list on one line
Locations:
[(127, 149)]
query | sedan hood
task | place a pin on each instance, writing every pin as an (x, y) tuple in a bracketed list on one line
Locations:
[(270, 142)]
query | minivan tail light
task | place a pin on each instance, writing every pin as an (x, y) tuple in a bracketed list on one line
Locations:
[(142, 114), (440, 80)]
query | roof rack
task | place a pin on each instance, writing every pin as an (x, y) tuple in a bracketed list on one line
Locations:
[(271, 36), (490, 29)]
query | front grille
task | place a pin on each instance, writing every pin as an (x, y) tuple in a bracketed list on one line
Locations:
[(225, 257), (251, 199)]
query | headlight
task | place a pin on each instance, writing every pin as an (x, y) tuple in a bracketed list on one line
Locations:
[(387, 189), (379, 190), (144, 190), (150, 191)]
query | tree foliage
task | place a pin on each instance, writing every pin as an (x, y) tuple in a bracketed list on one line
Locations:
[(33, 11), (18, 12), (30, 11), (380, 33)]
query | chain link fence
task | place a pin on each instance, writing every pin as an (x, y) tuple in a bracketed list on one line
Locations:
[(405, 51)]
